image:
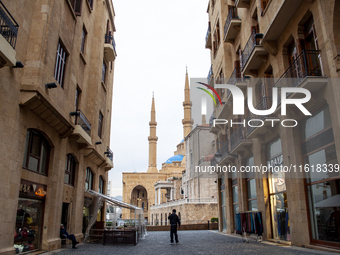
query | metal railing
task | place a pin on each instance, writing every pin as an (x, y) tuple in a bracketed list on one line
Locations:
[(211, 120), (110, 40), (235, 76), (231, 15), (208, 32), (213, 161), (210, 74), (307, 63), (8, 26), (264, 104), (236, 137), (82, 121), (224, 149), (185, 201), (201, 161), (109, 153), (248, 49)]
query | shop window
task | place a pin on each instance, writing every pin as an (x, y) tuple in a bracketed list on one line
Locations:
[(70, 170), (251, 186), (223, 204), (101, 185), (234, 188), (37, 151), (88, 179), (27, 234)]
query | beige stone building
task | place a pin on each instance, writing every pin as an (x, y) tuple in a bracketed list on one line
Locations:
[(56, 82), (266, 45)]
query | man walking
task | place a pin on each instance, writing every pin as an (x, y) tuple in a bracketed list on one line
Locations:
[(173, 222)]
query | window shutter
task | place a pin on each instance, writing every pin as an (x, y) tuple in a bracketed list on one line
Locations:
[(78, 6)]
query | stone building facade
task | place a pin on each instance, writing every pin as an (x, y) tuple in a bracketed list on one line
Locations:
[(56, 82), (266, 45)]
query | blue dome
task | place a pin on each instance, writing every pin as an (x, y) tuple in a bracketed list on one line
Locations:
[(178, 157), (182, 141)]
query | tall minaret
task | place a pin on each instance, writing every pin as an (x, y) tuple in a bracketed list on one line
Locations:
[(187, 121), (153, 140)]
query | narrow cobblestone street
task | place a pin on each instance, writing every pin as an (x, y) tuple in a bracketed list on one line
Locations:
[(191, 242)]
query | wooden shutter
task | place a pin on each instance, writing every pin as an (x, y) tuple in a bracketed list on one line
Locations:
[(77, 7)]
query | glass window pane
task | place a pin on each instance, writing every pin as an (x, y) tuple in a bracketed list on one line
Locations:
[(35, 145), (43, 159), (316, 160), (66, 178), (315, 124), (223, 198), (235, 194), (251, 188), (33, 163), (24, 163), (224, 218), (280, 217), (252, 205), (236, 210)]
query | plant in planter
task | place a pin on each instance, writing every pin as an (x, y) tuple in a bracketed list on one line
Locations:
[(214, 220)]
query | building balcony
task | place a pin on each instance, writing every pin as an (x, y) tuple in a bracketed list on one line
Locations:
[(232, 26), (257, 129), (237, 79), (8, 37), (36, 100), (253, 55), (82, 131), (283, 14), (109, 159), (210, 75), (223, 156), (110, 47), (212, 128), (242, 3), (239, 142), (208, 43)]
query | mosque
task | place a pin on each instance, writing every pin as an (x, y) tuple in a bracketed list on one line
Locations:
[(139, 188)]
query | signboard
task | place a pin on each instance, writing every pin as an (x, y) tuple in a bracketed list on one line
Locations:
[(31, 189)]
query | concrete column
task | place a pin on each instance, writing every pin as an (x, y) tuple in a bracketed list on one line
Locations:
[(171, 191), (159, 196), (155, 196)]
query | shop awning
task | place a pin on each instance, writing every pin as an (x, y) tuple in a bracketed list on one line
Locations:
[(113, 200)]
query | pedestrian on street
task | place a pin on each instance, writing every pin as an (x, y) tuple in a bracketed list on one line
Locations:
[(64, 234), (174, 220)]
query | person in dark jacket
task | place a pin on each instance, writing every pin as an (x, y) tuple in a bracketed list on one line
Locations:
[(174, 220), (64, 234)]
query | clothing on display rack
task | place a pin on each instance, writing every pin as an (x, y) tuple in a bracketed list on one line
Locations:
[(249, 222)]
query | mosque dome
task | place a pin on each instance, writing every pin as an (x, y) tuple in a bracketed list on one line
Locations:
[(178, 157)]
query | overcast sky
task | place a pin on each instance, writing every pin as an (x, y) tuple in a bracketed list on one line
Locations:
[(155, 41)]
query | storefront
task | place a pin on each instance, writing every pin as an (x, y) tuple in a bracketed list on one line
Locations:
[(28, 227), (277, 192), (223, 203), (323, 187)]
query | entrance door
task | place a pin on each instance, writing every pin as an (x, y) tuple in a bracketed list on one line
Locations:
[(64, 214)]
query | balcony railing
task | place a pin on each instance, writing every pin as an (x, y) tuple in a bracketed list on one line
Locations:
[(213, 161), (235, 76), (248, 49), (82, 121), (208, 32), (237, 137), (231, 15), (223, 149), (110, 40), (264, 104), (211, 120), (109, 153), (306, 64), (8, 26), (210, 74)]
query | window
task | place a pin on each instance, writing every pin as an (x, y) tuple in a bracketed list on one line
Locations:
[(88, 179), (235, 195), (264, 4), (76, 5), (59, 72), (70, 170), (83, 40), (103, 72), (76, 104), (101, 185), (100, 124), (223, 204), (90, 3), (37, 151)]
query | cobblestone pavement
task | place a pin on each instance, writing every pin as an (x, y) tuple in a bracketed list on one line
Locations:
[(191, 242)]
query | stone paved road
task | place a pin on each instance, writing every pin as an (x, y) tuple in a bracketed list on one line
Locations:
[(191, 242)]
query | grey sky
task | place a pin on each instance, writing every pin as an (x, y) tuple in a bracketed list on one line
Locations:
[(155, 41)]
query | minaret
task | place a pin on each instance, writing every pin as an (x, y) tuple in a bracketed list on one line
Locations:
[(187, 121), (153, 140)]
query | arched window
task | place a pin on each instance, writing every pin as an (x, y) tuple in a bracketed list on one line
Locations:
[(70, 170), (101, 185), (88, 179), (37, 152)]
